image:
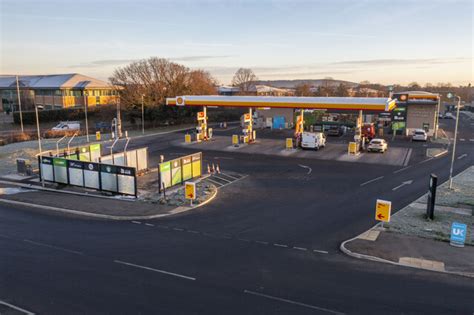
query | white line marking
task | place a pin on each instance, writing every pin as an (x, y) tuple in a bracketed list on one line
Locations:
[(424, 161), (153, 269), (221, 178), (462, 156), (16, 308), (472, 140), (299, 248), (233, 177), (243, 240), (262, 242), (215, 182), (223, 158), (234, 181), (401, 170), (292, 302), (53, 247), (462, 139), (408, 182), (163, 227), (178, 229), (407, 157), (192, 231), (307, 167), (370, 181), (149, 224), (320, 251), (136, 222), (280, 245)]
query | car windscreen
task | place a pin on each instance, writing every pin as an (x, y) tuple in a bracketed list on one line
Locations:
[(375, 142), (421, 133)]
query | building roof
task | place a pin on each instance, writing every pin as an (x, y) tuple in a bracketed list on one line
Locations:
[(344, 103), (53, 81)]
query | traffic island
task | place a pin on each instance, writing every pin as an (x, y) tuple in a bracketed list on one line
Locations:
[(410, 239)]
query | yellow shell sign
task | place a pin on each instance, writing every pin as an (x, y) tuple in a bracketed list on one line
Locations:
[(190, 190), (180, 101)]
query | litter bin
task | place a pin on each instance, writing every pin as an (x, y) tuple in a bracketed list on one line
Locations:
[(23, 167)]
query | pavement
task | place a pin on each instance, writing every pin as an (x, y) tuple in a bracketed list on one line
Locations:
[(267, 244), (409, 239)]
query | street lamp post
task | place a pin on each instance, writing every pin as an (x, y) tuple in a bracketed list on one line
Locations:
[(143, 117), (85, 113), (437, 117), (39, 143), (455, 139), (19, 103)]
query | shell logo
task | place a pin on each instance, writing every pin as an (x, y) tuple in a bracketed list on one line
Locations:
[(403, 97), (180, 101)]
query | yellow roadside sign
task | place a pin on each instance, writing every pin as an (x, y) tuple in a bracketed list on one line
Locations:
[(190, 190), (235, 139), (289, 143), (383, 209), (187, 138), (97, 135)]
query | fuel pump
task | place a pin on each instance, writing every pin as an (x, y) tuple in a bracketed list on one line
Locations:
[(201, 130), (248, 133), (299, 128)]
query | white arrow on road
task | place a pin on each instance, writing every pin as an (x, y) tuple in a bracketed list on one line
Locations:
[(307, 167), (408, 182)]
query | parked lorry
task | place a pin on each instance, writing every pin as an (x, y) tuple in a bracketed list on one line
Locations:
[(313, 140)]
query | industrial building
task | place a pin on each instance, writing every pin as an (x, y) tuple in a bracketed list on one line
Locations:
[(54, 91)]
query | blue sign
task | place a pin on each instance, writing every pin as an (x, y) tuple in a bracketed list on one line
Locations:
[(458, 233)]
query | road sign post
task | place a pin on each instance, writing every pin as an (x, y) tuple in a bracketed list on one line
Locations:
[(431, 196), (190, 191), (383, 208)]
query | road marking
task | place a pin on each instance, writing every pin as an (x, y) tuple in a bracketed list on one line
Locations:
[(262, 242), (245, 176), (299, 248), (192, 231), (163, 227), (462, 156), (462, 139), (16, 308), (215, 182), (149, 224), (221, 178), (401, 170), (155, 270), (243, 239), (371, 181), (320, 251), (178, 229), (292, 302), (233, 177), (427, 160), (407, 157), (408, 182), (53, 247), (223, 158), (307, 167), (280, 245), (136, 222)]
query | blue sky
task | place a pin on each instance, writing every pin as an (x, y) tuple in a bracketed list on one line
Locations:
[(376, 40)]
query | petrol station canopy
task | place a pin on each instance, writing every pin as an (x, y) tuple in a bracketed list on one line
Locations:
[(329, 103)]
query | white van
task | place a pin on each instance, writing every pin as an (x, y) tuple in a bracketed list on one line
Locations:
[(67, 125), (313, 140)]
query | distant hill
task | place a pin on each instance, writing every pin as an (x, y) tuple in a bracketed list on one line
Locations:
[(291, 84)]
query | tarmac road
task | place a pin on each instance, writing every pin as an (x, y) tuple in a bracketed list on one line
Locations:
[(267, 245)]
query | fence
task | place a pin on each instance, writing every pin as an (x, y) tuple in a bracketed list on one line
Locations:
[(179, 170), (100, 176), (134, 158)]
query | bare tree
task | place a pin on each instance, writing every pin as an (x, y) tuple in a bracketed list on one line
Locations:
[(341, 90), (158, 78), (244, 78), (303, 89)]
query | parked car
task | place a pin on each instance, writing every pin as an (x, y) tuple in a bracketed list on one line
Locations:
[(419, 135), (377, 145), (313, 140), (67, 125), (335, 130), (449, 115)]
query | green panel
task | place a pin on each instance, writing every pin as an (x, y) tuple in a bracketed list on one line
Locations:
[(72, 157), (84, 156), (187, 171), (95, 147), (197, 168), (59, 162), (176, 176), (165, 166)]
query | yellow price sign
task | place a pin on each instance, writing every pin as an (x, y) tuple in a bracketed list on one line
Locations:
[(190, 190), (247, 117), (97, 135), (289, 143), (235, 139), (201, 116), (383, 209)]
